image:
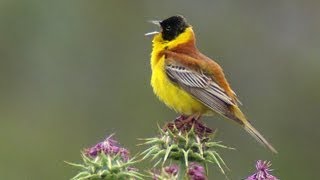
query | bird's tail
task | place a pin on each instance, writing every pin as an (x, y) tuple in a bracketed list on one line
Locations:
[(241, 119)]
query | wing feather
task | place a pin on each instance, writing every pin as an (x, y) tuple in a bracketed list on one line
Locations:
[(201, 86)]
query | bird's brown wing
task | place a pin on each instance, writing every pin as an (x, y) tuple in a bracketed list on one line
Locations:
[(201, 86)]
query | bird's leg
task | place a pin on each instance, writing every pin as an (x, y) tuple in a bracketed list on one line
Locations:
[(189, 119), (198, 119), (178, 122), (183, 121), (193, 117), (197, 116)]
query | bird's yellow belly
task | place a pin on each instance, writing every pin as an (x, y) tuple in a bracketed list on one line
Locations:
[(173, 96)]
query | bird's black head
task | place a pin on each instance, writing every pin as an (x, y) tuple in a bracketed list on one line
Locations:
[(173, 26)]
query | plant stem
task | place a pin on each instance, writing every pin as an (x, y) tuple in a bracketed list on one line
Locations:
[(182, 170)]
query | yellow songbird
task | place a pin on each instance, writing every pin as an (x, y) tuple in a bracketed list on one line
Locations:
[(188, 81)]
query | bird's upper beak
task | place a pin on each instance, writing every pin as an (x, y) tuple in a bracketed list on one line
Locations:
[(156, 22)]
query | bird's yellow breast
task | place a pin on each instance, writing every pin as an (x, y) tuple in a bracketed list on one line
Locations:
[(172, 95)]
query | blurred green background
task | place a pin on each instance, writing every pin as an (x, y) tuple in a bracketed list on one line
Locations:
[(72, 72)]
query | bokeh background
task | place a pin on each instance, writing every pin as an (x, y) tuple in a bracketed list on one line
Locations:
[(72, 72)]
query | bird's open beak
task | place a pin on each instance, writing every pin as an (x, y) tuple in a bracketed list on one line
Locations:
[(153, 32)]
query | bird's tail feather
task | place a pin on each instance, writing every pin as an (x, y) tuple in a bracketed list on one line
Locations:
[(240, 118)]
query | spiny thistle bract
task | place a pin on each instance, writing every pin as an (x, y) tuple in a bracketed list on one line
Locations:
[(263, 171), (185, 141), (106, 160)]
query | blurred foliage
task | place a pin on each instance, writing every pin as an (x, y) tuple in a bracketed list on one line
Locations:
[(72, 72)]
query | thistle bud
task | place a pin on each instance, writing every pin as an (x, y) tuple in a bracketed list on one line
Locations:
[(106, 160), (185, 142)]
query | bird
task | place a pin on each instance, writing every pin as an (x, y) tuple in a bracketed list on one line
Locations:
[(188, 81)]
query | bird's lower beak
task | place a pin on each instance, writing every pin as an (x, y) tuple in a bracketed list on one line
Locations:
[(156, 22), (151, 33)]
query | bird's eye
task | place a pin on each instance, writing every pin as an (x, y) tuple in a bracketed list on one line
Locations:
[(168, 28)]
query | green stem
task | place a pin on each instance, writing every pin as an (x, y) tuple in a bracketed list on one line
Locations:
[(182, 170)]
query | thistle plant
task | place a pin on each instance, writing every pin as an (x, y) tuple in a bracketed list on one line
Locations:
[(183, 150), (108, 161), (185, 141)]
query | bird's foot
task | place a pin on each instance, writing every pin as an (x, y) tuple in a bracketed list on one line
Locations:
[(186, 123)]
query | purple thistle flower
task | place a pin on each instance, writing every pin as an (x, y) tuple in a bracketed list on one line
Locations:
[(196, 172), (172, 170), (263, 171), (110, 147)]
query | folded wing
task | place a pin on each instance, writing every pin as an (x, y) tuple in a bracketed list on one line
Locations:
[(202, 87)]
